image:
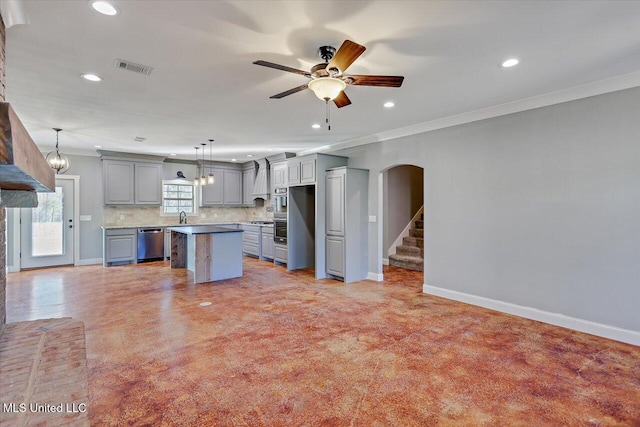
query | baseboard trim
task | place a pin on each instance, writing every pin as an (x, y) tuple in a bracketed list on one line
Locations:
[(90, 261), (599, 329), (385, 261), (375, 277)]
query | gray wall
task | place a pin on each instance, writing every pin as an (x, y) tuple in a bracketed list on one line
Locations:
[(403, 195), (91, 201), (539, 208)]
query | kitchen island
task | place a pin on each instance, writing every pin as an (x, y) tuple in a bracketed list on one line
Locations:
[(209, 252)]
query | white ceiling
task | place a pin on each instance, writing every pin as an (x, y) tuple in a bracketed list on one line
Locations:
[(204, 84)]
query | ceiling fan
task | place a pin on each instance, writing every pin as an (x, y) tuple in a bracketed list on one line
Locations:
[(328, 80)]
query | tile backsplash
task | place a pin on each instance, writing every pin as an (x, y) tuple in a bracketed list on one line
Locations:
[(140, 216)]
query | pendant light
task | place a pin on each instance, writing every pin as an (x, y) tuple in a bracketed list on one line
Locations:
[(196, 180), (58, 162), (203, 179), (211, 179)]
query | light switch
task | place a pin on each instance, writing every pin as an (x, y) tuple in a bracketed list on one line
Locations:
[(85, 217), (372, 218)]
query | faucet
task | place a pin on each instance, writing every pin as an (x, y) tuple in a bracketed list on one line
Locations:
[(183, 217)]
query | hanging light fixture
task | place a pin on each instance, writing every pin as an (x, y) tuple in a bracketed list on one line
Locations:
[(196, 180), (203, 179), (58, 162), (211, 179), (327, 88)]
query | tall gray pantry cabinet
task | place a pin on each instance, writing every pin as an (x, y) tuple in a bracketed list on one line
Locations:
[(346, 226)]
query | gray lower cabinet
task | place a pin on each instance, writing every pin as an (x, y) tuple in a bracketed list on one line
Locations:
[(131, 183), (335, 255), (268, 245), (280, 253), (120, 246), (251, 240)]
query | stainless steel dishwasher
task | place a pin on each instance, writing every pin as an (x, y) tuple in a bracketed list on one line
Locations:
[(150, 244)]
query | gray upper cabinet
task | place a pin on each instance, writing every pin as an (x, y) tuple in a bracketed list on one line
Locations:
[(211, 194), (302, 170), (131, 183), (293, 172), (248, 178), (232, 190), (280, 177), (308, 171), (227, 189), (117, 180), (148, 183)]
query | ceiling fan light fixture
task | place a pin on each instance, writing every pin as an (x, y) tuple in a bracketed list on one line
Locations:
[(327, 88)]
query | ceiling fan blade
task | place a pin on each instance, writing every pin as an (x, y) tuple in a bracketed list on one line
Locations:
[(348, 52), (385, 81), (283, 68), (289, 92), (342, 100)]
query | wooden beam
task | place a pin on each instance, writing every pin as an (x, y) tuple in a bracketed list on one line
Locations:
[(22, 165)]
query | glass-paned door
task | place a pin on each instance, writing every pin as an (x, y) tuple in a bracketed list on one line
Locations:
[(47, 230)]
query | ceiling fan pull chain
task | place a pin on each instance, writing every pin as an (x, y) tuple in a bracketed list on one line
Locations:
[(328, 115)]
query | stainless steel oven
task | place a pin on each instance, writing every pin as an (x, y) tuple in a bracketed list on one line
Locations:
[(280, 203), (280, 231)]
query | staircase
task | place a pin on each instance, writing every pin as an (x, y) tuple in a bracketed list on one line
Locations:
[(410, 254)]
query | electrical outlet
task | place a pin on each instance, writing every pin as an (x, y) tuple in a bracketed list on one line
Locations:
[(203, 216), (372, 218), (121, 216)]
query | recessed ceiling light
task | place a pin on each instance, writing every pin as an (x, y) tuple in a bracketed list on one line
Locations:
[(389, 104), (511, 62), (91, 77), (249, 155), (98, 146), (172, 154), (315, 126), (104, 7), (233, 160), (270, 149)]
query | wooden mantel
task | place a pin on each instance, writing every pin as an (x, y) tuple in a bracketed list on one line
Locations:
[(22, 165)]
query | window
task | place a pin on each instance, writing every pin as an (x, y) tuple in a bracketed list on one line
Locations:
[(177, 198)]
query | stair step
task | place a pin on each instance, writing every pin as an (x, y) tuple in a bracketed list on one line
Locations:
[(413, 241), (410, 250), (419, 224), (416, 232), (408, 262)]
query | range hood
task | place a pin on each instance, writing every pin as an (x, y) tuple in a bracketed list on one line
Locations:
[(22, 165), (261, 183)]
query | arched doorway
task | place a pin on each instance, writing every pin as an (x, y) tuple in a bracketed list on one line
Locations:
[(402, 219)]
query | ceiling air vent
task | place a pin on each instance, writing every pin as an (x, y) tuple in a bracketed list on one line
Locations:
[(136, 68), (139, 139)]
